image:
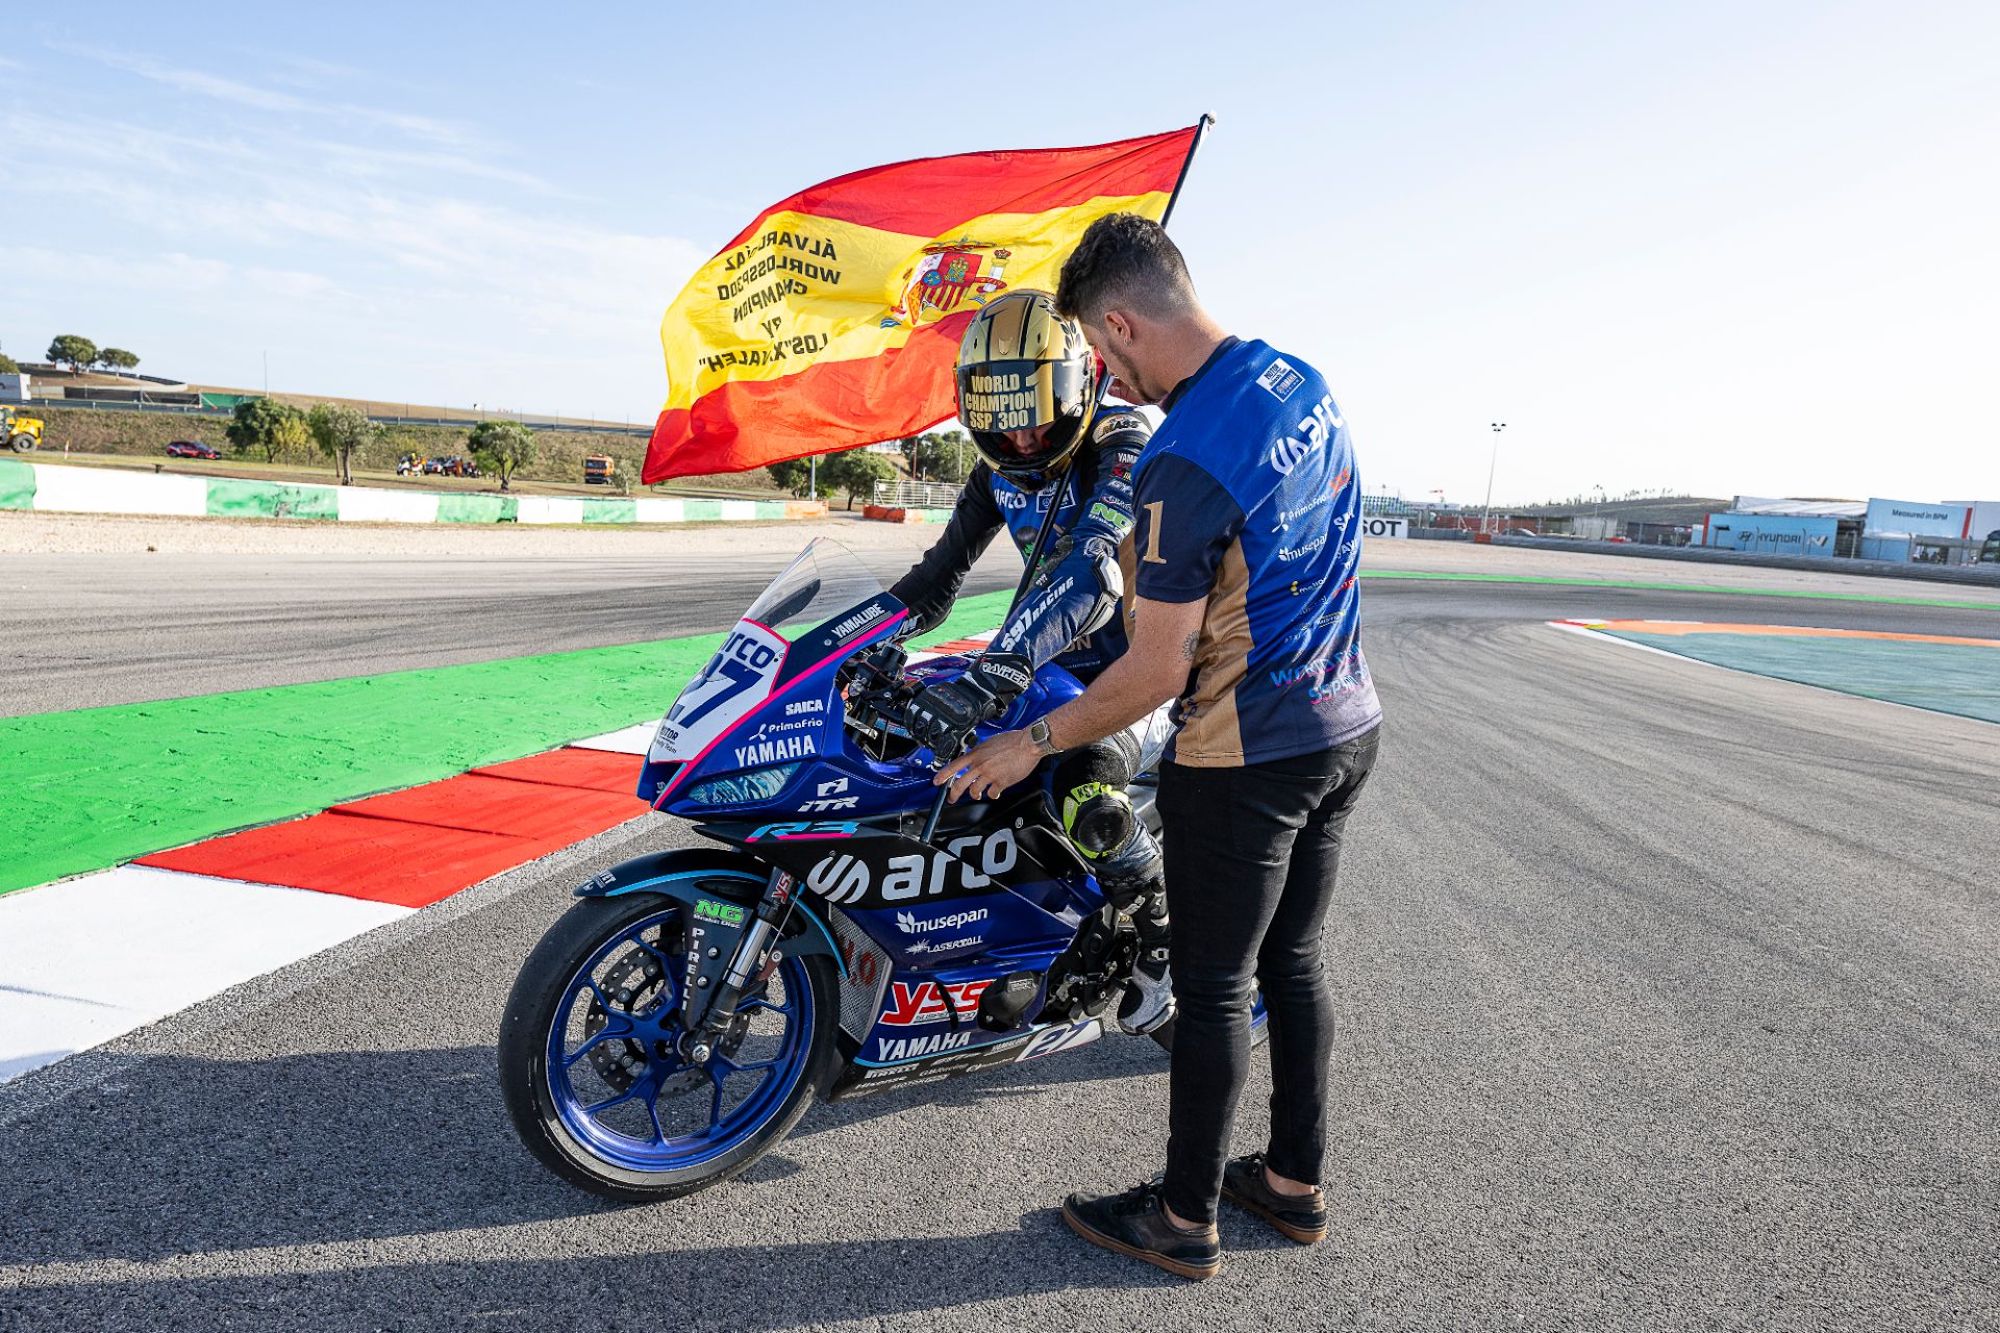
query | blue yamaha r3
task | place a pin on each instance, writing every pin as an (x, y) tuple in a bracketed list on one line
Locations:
[(847, 933)]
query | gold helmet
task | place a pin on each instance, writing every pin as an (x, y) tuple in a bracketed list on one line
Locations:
[(1027, 387)]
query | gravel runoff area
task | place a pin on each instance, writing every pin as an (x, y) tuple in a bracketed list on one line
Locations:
[(93, 534), (122, 534)]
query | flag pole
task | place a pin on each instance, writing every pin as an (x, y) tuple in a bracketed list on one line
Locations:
[(1194, 146)]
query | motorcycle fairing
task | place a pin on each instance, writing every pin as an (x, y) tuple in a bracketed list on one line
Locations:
[(683, 876)]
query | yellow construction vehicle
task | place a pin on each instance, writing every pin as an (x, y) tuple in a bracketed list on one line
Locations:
[(18, 431)]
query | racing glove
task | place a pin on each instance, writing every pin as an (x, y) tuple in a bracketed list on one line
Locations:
[(942, 716)]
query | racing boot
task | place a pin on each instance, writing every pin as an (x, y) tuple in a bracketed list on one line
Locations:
[(1134, 880)]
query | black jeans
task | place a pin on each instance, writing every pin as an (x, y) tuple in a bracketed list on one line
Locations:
[(1251, 857)]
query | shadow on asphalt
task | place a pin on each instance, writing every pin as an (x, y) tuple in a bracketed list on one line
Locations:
[(183, 1155), (738, 1287)]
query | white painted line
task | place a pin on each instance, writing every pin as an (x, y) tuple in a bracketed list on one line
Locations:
[(91, 958), (626, 740)]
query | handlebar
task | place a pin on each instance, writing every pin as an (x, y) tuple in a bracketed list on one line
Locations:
[(883, 694)]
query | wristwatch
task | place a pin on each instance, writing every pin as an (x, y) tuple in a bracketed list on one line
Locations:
[(1038, 732)]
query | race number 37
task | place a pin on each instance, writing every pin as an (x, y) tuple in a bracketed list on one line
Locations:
[(735, 680)]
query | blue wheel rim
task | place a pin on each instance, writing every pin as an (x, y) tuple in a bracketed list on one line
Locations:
[(759, 1086)]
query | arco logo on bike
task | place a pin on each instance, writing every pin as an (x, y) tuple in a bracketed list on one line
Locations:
[(970, 862)]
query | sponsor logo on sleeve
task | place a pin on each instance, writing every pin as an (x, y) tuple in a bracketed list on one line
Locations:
[(1110, 425), (1312, 432), (1280, 380)]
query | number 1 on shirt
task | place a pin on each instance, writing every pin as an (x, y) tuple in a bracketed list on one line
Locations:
[(1153, 556)]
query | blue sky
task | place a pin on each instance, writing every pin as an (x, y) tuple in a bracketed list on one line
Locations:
[(1722, 248)]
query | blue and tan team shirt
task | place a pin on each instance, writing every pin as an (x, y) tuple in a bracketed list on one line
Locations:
[(1247, 497)]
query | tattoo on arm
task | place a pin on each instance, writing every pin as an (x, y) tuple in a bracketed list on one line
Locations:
[(1188, 645)]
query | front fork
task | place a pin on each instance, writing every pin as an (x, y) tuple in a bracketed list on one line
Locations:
[(749, 966)]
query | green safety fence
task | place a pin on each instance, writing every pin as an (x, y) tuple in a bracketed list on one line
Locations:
[(478, 509), (230, 498), (17, 484), (611, 511)]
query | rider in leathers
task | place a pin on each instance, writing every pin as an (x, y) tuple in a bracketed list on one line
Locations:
[(1028, 392)]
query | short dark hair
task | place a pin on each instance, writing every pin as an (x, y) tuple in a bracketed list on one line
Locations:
[(1124, 260)]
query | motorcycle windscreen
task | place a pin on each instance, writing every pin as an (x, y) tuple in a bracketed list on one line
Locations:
[(825, 579)]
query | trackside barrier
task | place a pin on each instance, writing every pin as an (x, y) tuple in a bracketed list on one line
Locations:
[(899, 514), (87, 490)]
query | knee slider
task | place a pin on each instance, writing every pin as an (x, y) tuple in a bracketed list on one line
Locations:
[(1098, 819)]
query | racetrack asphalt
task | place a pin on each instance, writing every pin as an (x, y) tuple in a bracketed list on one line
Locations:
[(1668, 998)]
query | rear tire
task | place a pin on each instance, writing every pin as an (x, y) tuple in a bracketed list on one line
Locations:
[(547, 1119)]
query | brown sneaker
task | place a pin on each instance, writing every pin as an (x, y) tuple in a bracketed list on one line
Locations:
[(1301, 1218), (1135, 1223)]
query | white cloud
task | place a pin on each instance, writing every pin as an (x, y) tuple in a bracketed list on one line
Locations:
[(205, 84), (369, 269)]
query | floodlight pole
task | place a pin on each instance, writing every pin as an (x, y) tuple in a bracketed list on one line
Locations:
[(1486, 524)]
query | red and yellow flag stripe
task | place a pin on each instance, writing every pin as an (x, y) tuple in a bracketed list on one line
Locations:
[(833, 319)]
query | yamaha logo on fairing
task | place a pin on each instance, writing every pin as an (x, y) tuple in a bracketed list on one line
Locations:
[(971, 862), (773, 751), (909, 1048)]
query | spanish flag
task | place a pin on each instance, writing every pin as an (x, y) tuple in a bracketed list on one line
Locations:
[(833, 320)]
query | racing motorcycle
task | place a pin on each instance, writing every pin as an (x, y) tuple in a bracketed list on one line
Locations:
[(847, 932)]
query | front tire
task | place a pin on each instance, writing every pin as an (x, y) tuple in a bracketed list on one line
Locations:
[(594, 1085), (22, 443)]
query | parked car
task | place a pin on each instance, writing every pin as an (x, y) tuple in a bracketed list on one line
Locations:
[(456, 466), (407, 464), (433, 467), (191, 449)]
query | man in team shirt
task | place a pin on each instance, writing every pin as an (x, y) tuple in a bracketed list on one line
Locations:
[(1246, 612)]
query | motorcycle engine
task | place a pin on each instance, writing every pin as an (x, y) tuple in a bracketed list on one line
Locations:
[(1091, 972)]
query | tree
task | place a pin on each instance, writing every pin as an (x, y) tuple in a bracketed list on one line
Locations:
[(290, 436), (69, 349), (268, 425), (856, 472), (8, 365), (339, 430), (117, 358), (502, 447), (945, 457), (795, 475)]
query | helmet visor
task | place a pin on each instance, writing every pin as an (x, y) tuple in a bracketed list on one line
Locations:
[(1023, 413)]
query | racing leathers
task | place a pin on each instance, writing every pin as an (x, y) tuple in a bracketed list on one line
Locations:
[(1069, 616)]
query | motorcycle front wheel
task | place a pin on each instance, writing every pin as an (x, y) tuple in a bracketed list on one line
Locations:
[(591, 1068)]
